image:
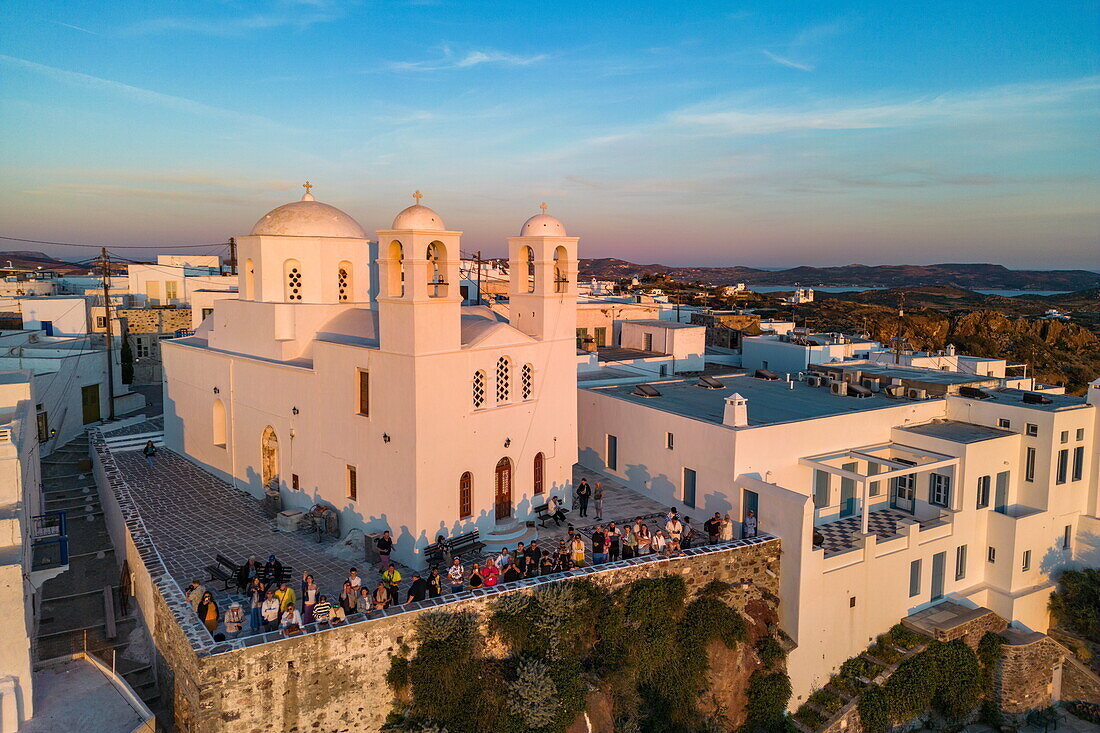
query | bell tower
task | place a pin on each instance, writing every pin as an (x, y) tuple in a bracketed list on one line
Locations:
[(419, 300), (542, 289)]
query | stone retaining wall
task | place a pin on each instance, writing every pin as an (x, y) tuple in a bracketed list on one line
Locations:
[(333, 679), (1025, 674)]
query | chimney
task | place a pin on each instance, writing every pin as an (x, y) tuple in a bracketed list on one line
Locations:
[(736, 414)]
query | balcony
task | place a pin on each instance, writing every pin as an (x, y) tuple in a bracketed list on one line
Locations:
[(842, 535), (49, 546)]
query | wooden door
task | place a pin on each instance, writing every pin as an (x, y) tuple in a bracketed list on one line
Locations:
[(504, 489), (89, 401)]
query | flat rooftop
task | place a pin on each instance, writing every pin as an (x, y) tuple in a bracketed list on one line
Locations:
[(1009, 396), (75, 697), (661, 324), (909, 374), (769, 403), (613, 353), (957, 431)]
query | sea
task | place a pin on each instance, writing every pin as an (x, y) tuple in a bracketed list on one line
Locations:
[(860, 288)]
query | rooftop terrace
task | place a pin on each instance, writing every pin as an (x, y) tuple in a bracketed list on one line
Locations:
[(769, 402), (957, 431), (909, 374)]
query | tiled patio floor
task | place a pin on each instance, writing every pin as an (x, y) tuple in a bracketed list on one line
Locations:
[(839, 534)]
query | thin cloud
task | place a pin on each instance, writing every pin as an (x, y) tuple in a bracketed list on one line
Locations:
[(451, 61), (782, 61), (286, 14), (74, 27), (132, 93)]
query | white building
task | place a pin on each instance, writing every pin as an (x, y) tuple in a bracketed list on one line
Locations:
[(174, 279), (793, 352), (60, 315), (884, 505), (800, 296), (402, 408), (33, 545)]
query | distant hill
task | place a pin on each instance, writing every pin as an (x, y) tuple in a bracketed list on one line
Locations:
[(29, 260), (984, 276)]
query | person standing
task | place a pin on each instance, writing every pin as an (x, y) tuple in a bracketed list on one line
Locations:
[(547, 564), (599, 546), (491, 573), (658, 542), (208, 612), (577, 551), (355, 579), (511, 573), (385, 547), (630, 543), (435, 583), (749, 525), (286, 595), (726, 532), (246, 572), (381, 597), (234, 620), (584, 493), (363, 601), (476, 578), (348, 598), (674, 528), (392, 579), (322, 610), (689, 534), (194, 594), (149, 451), (309, 597), (270, 611), (418, 589), (614, 542), (255, 602), (713, 527), (645, 542), (597, 496), (457, 575)]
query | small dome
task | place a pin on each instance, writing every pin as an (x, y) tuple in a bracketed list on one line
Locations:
[(542, 225), (308, 218), (418, 217)]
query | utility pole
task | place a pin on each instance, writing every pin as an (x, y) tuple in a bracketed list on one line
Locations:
[(478, 260), (106, 274), (232, 255)]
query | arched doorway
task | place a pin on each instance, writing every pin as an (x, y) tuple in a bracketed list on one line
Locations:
[(269, 453), (504, 489)]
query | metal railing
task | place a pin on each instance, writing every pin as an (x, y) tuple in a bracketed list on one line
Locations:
[(49, 540)]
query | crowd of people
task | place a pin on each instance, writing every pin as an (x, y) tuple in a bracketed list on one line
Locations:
[(272, 603)]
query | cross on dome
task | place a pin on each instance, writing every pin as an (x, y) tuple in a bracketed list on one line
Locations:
[(544, 207), (307, 186), (307, 196), (417, 195)]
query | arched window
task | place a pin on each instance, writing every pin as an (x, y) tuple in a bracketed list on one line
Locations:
[(527, 256), (465, 496), (527, 381), (292, 270), (218, 424), (249, 280), (561, 270), (479, 389), (504, 379), (343, 282), (437, 280), (540, 461), (396, 285)]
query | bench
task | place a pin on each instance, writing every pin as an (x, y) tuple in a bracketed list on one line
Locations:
[(542, 513), (218, 575), (466, 544), (436, 553), (226, 563)]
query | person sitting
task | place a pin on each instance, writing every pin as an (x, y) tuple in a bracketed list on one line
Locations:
[(337, 616), (273, 570), (322, 610), (291, 621), (381, 597), (553, 508)]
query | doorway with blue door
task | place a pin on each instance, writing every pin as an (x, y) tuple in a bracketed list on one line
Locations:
[(849, 502), (750, 507)]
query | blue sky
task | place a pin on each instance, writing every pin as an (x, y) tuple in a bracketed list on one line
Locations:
[(762, 134)]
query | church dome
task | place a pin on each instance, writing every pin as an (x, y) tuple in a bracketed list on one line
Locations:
[(418, 217), (542, 225), (308, 218)]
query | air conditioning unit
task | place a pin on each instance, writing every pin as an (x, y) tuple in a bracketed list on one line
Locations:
[(894, 390), (813, 380), (872, 384), (917, 394), (840, 388)]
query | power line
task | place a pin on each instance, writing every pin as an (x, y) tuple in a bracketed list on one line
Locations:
[(118, 246)]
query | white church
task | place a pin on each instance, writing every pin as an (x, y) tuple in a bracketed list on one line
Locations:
[(349, 373)]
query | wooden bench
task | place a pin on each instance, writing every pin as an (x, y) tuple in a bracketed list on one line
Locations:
[(542, 513), (466, 544), (218, 575), (226, 563), (436, 553), (109, 611)]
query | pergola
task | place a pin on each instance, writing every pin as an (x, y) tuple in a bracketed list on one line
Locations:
[(881, 454)]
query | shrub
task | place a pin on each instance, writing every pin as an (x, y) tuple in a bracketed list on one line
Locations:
[(910, 689), (1076, 603), (768, 695), (810, 718), (884, 653), (825, 700), (960, 676), (874, 710), (533, 696), (770, 651), (902, 636), (398, 674)]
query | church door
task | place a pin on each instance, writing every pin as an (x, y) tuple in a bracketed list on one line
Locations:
[(269, 453), (504, 489)]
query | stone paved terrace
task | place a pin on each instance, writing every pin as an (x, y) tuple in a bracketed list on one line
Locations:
[(193, 515)]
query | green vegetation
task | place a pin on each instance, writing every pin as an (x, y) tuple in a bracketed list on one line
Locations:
[(644, 647), (874, 710), (1076, 603), (126, 357)]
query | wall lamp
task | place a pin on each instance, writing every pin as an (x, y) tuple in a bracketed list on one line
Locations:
[(385, 437), (507, 442), (294, 410), (217, 391)]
